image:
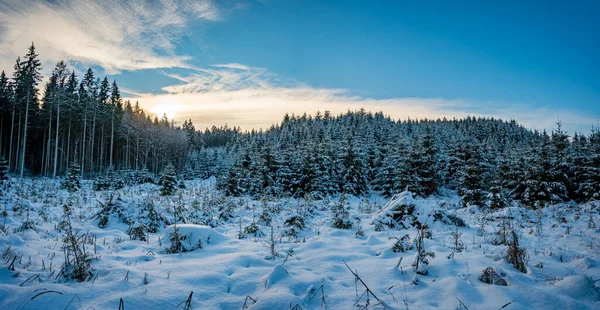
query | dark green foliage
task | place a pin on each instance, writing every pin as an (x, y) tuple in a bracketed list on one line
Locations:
[(152, 219), (295, 221), (109, 180), (137, 231), (253, 230), (543, 183), (293, 225), (496, 198), (72, 182), (168, 181), (4, 176), (472, 179), (341, 214), (402, 244), (176, 239)]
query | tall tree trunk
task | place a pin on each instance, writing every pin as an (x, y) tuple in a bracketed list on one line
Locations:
[(12, 129), (93, 136), (83, 144), (48, 146), (112, 134), (18, 143), (56, 140), (68, 157), (25, 134), (101, 149)]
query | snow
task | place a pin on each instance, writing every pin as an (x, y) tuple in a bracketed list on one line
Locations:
[(227, 269)]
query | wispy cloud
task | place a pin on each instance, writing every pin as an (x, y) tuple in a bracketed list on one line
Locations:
[(256, 98), (116, 35)]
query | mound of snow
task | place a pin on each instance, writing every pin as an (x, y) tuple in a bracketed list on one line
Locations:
[(276, 275), (576, 287)]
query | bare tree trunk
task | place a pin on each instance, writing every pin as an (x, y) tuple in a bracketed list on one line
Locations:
[(48, 147), (18, 142), (68, 144), (56, 140), (93, 136), (83, 144), (12, 129), (25, 134), (112, 134), (101, 149)]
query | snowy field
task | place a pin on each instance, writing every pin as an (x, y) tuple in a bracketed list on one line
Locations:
[(228, 264)]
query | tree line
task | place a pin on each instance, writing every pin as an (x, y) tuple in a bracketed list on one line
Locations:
[(486, 161), (82, 121)]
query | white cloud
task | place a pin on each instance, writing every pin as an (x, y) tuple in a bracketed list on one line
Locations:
[(255, 98), (116, 35)]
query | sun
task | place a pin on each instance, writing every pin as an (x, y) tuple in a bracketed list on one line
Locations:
[(166, 105)]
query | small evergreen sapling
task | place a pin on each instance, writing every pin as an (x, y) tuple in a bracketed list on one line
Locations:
[(78, 262), (341, 214), (168, 180), (516, 255), (72, 182), (293, 224)]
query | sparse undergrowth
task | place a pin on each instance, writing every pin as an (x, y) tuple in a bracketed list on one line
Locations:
[(273, 252)]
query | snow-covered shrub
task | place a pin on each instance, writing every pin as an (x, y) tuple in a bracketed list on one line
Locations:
[(516, 255), (496, 199), (176, 239), (72, 182), (168, 180), (150, 216), (293, 224), (448, 219), (490, 276), (398, 213), (78, 262), (253, 229), (226, 210), (341, 214), (421, 259), (265, 215), (113, 207), (502, 236), (109, 180), (402, 244), (189, 237), (457, 244), (137, 231)]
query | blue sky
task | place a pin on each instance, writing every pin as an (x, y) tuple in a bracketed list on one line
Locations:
[(247, 63)]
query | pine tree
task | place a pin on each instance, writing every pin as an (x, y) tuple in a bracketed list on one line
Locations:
[(589, 187), (543, 184), (26, 93), (168, 180), (353, 180), (72, 182), (422, 178), (471, 188)]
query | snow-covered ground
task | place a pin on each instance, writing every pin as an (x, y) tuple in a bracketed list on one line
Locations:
[(309, 271)]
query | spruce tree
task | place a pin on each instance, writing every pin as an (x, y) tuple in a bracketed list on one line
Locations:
[(72, 182), (471, 188), (26, 93), (168, 180)]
